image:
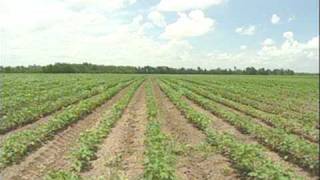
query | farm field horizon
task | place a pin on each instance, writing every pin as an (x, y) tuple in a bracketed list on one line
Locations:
[(158, 126)]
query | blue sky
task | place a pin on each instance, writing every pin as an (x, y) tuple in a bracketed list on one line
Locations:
[(207, 33)]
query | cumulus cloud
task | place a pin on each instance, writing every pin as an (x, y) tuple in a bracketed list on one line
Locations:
[(79, 36), (189, 25), (297, 55), (243, 47), (157, 18), (288, 35), (179, 5), (275, 19), (246, 30), (44, 32), (313, 43), (109, 5), (290, 53), (268, 42)]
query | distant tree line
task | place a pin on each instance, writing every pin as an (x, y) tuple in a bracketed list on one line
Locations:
[(92, 68)]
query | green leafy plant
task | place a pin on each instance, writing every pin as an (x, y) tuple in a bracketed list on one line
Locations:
[(248, 159), (18, 145), (90, 140), (159, 161)]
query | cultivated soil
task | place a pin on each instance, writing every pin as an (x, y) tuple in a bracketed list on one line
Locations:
[(221, 125), (190, 164), (121, 155), (55, 154)]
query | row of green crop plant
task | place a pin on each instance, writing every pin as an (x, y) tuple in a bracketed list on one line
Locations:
[(89, 141), (283, 85), (159, 158), (62, 175), (297, 99), (33, 113), (19, 144), (289, 146), (292, 99), (26, 96), (17, 84), (254, 92), (307, 119), (37, 97), (249, 159), (311, 134), (36, 88)]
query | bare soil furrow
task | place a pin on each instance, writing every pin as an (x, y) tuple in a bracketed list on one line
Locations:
[(37, 122), (55, 154), (121, 153), (222, 126), (267, 124), (193, 165)]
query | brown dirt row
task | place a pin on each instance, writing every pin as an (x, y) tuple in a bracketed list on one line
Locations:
[(32, 125), (37, 122), (193, 165), (122, 152), (55, 154), (266, 124), (222, 126)]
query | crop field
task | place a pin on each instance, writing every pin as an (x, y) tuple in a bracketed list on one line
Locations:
[(158, 127)]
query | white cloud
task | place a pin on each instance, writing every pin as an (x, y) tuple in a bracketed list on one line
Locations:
[(44, 32), (268, 42), (180, 5), (298, 56), (157, 18), (137, 20), (78, 36), (243, 47), (292, 54), (275, 19), (105, 5), (313, 43), (193, 24), (246, 30), (288, 35)]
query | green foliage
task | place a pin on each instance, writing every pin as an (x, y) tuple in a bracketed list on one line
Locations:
[(298, 150), (62, 175), (251, 108), (159, 161), (248, 159), (293, 98), (92, 68), (50, 98), (90, 140), (18, 145)]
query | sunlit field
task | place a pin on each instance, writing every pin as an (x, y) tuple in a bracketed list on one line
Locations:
[(90, 126)]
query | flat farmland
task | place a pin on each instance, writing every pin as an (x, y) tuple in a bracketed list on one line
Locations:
[(123, 126)]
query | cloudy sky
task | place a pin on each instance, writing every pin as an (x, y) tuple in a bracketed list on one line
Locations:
[(176, 33)]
